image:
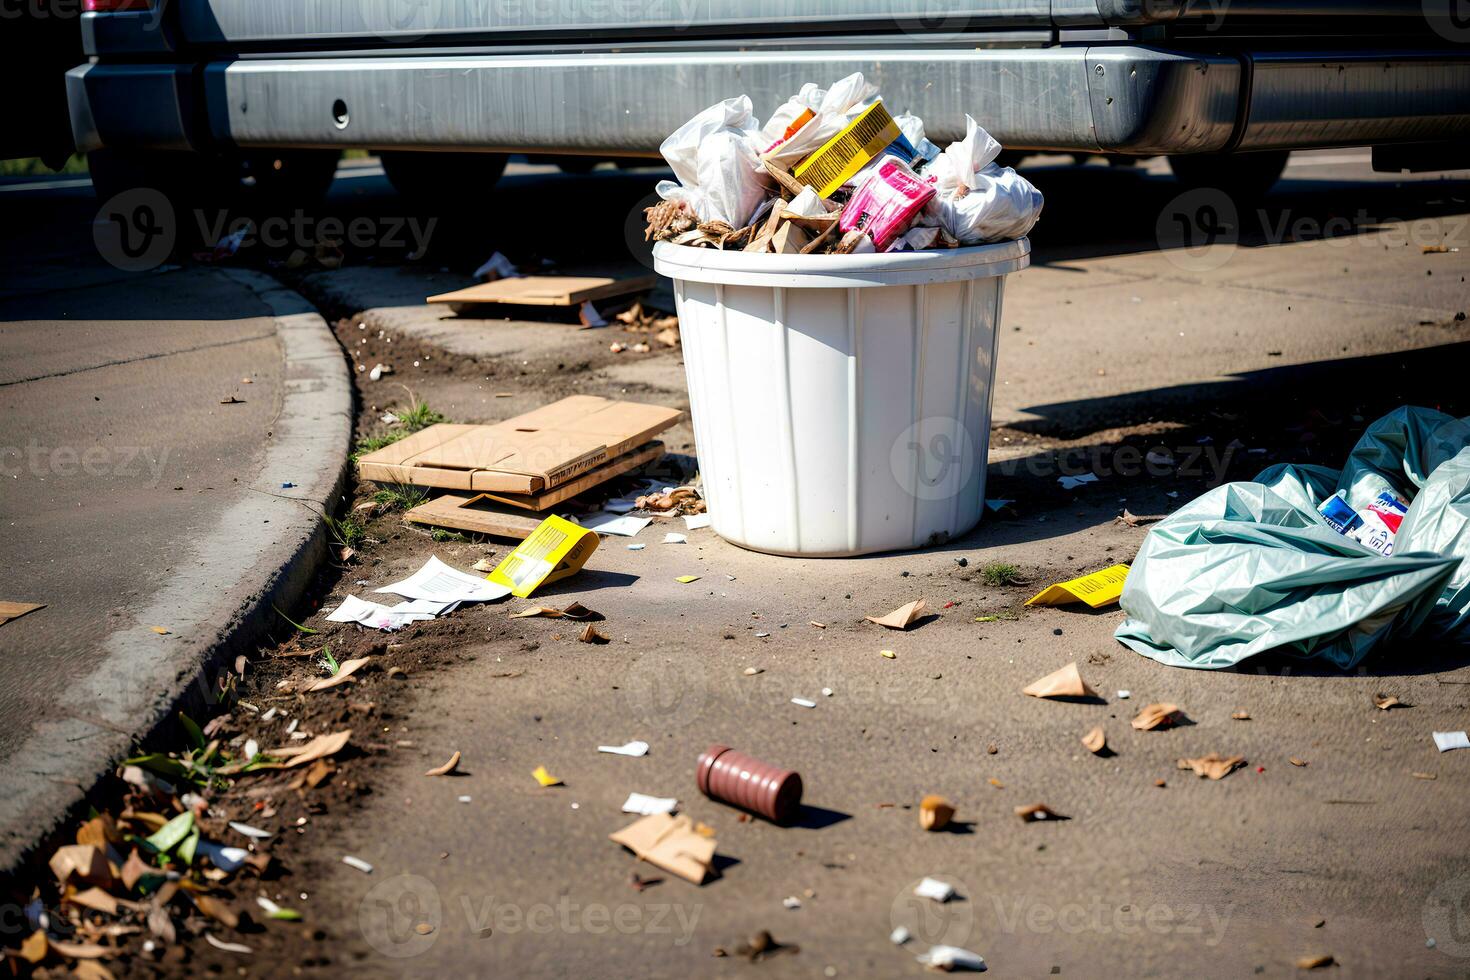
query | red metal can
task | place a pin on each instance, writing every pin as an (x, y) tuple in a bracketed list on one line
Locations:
[(740, 780)]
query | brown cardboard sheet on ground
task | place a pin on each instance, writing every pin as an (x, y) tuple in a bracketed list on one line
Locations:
[(528, 454), (478, 515), (670, 843), (646, 453), (546, 290)]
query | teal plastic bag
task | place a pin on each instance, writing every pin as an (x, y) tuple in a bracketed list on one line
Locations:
[(1251, 567)]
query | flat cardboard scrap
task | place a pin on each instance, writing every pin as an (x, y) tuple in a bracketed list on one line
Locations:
[(1064, 683), (671, 844), (546, 290), (527, 454), (15, 610), (1213, 766), (1097, 589), (480, 514), (902, 617), (557, 549), (1155, 716)]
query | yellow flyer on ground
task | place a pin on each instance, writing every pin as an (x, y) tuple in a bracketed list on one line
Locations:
[(1096, 589), (556, 549)]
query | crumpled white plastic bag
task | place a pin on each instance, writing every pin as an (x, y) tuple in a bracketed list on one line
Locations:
[(714, 156), (834, 108), (912, 128), (998, 204)]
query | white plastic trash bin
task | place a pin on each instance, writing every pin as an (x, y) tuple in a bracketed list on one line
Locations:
[(841, 403)]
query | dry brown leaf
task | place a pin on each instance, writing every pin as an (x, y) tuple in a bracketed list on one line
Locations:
[(902, 617), (1213, 766), (935, 812), (1297, 762), (81, 862), (81, 951), (445, 769), (134, 869), (1425, 775), (344, 671), (1064, 683), (1037, 811), (317, 748), (1386, 701), (34, 948), (1314, 962), (91, 970), (578, 611), (1241, 715), (591, 635), (320, 769), (99, 832), (1155, 716), (95, 899), (1095, 741), (216, 910)]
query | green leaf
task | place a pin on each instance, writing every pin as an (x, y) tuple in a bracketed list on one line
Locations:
[(171, 834), (286, 915), (186, 849), (161, 764), (195, 734), (329, 660), (293, 622)]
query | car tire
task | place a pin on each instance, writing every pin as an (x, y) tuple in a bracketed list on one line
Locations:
[(1244, 176), (443, 179)]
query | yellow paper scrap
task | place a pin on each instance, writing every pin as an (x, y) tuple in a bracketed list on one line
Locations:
[(556, 549), (545, 778), (1096, 589), (686, 579)]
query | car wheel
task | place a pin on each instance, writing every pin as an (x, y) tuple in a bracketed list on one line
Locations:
[(443, 179), (1240, 175)]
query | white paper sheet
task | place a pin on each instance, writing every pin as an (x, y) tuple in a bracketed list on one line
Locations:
[(355, 610), (439, 582), (675, 538), (1444, 741), (634, 749), (694, 522), (608, 523), (935, 889), (648, 805)]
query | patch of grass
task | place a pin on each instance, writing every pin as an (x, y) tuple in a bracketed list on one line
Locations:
[(1000, 573), (368, 444), (418, 415), (400, 496), (439, 534), (347, 531)]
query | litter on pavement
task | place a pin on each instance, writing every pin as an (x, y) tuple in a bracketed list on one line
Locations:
[(1064, 683), (901, 618), (519, 290), (741, 780), (1444, 741), (671, 844), (1272, 564), (648, 805), (634, 749), (15, 610), (1097, 589), (933, 888), (556, 550)]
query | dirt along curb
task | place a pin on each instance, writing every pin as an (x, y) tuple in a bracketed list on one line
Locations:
[(262, 554)]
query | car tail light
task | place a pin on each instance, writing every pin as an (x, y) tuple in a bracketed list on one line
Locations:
[(112, 6)]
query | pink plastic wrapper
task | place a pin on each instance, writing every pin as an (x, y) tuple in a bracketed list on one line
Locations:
[(887, 203)]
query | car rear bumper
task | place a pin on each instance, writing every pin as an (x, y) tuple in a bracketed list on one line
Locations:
[(1100, 98)]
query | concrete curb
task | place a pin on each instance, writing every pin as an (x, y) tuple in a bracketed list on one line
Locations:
[(263, 553)]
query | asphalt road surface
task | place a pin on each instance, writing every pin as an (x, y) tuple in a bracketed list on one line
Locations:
[(1145, 319)]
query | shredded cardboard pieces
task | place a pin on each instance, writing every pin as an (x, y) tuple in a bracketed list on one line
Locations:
[(1064, 683), (15, 610), (540, 451), (671, 844), (1097, 589), (832, 172)]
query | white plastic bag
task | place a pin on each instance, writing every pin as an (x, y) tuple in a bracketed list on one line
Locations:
[(996, 204), (833, 109), (715, 158), (912, 128)]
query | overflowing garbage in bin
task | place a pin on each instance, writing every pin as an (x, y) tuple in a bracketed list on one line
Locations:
[(832, 171)]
